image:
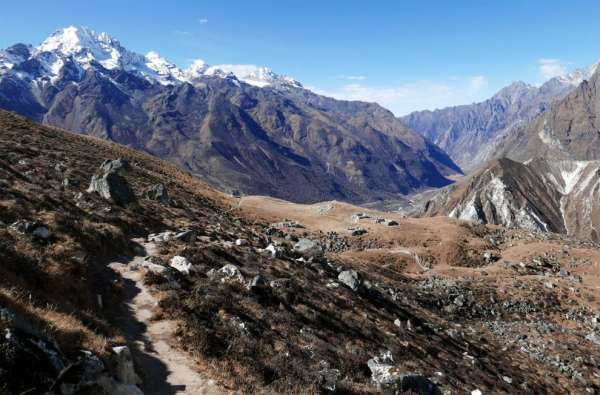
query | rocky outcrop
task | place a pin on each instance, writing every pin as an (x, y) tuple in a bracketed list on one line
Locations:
[(541, 195)]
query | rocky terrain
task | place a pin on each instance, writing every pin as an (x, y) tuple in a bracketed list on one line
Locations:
[(144, 267), (568, 131), (240, 129), (540, 195), (470, 133)]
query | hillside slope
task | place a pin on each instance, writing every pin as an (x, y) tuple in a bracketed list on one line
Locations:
[(269, 296)]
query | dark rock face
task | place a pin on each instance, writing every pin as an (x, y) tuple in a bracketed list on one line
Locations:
[(469, 133), (285, 142)]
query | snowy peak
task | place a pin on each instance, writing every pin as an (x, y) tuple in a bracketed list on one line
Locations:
[(88, 49), (85, 46), (253, 75), (576, 77)]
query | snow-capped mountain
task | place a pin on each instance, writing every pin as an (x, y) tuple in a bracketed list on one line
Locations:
[(86, 48), (240, 127)]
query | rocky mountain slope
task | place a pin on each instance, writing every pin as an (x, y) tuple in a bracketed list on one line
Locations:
[(237, 127), (570, 130), (259, 295), (469, 133), (540, 195)]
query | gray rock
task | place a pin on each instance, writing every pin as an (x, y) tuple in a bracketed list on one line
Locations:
[(185, 235), (161, 237), (357, 231), (124, 368), (42, 232), (329, 378), (70, 182), (241, 242), (34, 228), (116, 166), (181, 264), (386, 375), (308, 248), (112, 186), (350, 279), (158, 192), (257, 282), (228, 273), (594, 337)]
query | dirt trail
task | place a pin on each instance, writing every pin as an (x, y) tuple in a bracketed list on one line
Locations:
[(164, 369)]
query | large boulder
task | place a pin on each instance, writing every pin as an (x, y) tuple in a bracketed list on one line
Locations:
[(158, 192), (181, 264), (112, 186), (308, 248), (114, 166), (350, 279)]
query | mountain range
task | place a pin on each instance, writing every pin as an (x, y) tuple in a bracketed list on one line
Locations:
[(470, 133), (239, 127)]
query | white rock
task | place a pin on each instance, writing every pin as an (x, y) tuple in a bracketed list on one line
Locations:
[(476, 392), (181, 264), (382, 372), (241, 242)]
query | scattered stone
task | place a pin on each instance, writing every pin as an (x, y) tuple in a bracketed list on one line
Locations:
[(158, 193), (382, 369), (358, 216), (181, 264), (257, 282), (150, 264), (287, 223), (357, 231), (329, 377), (507, 379), (241, 242), (70, 182), (227, 273), (161, 237), (594, 337), (308, 248), (34, 228), (185, 236), (350, 279), (274, 251)]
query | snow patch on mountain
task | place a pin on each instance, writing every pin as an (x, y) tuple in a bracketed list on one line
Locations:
[(88, 49)]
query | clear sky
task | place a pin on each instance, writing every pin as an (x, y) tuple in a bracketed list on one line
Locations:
[(405, 55)]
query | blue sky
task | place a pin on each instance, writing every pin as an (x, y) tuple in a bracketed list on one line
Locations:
[(404, 55)]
